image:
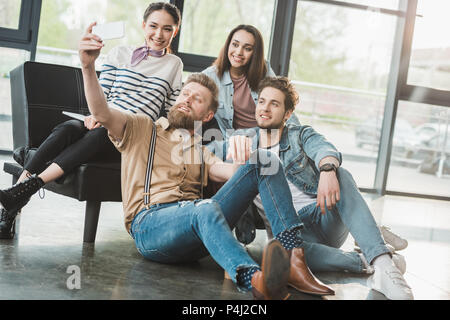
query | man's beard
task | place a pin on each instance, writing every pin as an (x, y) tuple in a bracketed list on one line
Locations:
[(179, 119)]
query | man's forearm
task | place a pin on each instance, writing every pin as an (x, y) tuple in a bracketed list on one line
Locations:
[(223, 171), (89, 50), (113, 120), (94, 95)]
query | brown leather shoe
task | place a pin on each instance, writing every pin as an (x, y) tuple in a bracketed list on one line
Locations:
[(301, 277), (271, 282)]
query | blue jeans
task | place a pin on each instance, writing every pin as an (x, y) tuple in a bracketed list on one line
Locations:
[(323, 235), (189, 230)]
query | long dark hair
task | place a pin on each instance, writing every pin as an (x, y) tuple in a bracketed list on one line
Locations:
[(256, 69), (169, 8)]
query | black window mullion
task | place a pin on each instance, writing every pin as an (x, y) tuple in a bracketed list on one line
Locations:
[(397, 77), (425, 95), (282, 35), (35, 18), (176, 42)]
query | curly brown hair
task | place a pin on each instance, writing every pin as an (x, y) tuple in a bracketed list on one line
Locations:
[(283, 84)]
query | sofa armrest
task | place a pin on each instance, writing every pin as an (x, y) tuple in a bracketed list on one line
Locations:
[(18, 110)]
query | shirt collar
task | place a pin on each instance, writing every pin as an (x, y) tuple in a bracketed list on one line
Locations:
[(226, 78), (284, 140), (163, 122)]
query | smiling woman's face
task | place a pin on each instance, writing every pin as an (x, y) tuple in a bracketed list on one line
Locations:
[(159, 30), (241, 49)]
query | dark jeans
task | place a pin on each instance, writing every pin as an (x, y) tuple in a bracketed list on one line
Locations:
[(69, 145)]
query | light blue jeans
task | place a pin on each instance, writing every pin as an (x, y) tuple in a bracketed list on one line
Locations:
[(323, 235), (189, 230)]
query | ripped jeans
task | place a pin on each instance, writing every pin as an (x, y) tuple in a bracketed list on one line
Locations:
[(189, 230)]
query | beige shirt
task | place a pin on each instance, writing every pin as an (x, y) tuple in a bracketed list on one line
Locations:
[(176, 167)]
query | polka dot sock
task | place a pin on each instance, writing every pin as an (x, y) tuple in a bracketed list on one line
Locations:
[(289, 239), (244, 276)]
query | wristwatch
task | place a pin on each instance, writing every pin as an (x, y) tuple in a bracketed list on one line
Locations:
[(328, 167)]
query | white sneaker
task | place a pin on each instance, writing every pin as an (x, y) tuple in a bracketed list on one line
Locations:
[(399, 262), (393, 239), (390, 282), (398, 259)]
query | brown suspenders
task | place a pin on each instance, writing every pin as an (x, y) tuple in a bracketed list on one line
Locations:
[(148, 174)]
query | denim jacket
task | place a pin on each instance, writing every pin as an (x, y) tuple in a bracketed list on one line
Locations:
[(301, 149), (225, 111)]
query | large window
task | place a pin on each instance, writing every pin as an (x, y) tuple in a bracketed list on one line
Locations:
[(206, 23), (340, 63), (63, 22), (430, 57), (420, 159), (420, 155)]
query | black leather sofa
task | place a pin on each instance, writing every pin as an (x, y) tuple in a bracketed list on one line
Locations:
[(39, 94)]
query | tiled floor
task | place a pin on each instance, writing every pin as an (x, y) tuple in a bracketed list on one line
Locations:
[(35, 265)]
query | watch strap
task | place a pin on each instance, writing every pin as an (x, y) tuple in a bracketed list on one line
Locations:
[(328, 167)]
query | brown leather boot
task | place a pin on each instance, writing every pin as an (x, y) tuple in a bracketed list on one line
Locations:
[(271, 282), (301, 277)]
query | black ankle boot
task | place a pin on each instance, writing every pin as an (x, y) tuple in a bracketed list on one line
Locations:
[(14, 198), (7, 224)]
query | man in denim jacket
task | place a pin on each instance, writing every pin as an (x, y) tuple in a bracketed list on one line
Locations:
[(325, 195), (225, 111)]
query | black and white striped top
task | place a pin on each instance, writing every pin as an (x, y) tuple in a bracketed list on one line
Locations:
[(149, 88)]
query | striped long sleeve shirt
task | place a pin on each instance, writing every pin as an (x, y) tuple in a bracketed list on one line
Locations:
[(149, 88)]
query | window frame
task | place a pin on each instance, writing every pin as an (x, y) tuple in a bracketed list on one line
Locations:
[(417, 93), (25, 36)]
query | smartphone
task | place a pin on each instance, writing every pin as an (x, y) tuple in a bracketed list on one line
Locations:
[(111, 30)]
